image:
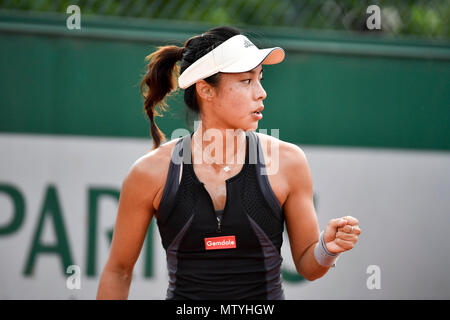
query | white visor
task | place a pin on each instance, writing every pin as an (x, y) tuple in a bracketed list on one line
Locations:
[(237, 54)]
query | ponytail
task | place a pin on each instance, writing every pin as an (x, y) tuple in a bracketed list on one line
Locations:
[(159, 81), (162, 74)]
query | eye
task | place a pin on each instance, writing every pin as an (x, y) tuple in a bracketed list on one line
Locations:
[(247, 80)]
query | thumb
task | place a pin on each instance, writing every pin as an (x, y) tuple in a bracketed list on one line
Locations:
[(331, 229)]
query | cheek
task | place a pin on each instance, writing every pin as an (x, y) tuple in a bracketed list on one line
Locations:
[(233, 98), (237, 94)]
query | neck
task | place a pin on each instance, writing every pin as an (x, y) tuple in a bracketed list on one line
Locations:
[(217, 146)]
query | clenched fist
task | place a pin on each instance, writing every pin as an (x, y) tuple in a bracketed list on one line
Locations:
[(341, 234)]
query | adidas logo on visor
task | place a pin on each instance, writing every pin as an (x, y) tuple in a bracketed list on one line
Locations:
[(248, 43), (237, 54)]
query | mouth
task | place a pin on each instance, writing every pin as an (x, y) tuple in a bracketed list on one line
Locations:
[(258, 111), (257, 114)]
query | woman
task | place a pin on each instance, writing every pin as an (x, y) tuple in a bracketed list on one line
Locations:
[(221, 222)]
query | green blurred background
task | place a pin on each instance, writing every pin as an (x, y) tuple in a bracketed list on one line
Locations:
[(341, 84)]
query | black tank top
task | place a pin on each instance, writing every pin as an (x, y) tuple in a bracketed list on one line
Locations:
[(232, 253)]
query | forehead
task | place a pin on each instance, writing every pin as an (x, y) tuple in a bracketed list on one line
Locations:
[(254, 71)]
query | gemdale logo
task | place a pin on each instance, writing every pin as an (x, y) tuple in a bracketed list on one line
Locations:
[(228, 242)]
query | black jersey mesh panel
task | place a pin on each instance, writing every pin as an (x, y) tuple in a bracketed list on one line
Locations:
[(258, 209)]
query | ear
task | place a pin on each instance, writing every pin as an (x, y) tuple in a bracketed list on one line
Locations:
[(204, 90)]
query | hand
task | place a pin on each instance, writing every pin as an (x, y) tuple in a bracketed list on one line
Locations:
[(341, 234)]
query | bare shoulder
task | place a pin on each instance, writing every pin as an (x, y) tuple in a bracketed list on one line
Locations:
[(149, 172), (152, 162), (288, 157), (289, 153)]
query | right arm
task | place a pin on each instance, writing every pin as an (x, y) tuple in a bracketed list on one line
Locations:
[(134, 215)]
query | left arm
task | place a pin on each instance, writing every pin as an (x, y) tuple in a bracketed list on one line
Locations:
[(301, 219)]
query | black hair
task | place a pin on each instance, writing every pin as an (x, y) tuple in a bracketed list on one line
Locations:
[(162, 72)]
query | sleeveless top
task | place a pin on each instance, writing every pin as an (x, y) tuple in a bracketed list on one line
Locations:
[(232, 253)]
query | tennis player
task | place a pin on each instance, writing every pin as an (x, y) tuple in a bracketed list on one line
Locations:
[(221, 222)]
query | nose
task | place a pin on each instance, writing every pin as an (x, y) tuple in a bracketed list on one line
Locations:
[(260, 92)]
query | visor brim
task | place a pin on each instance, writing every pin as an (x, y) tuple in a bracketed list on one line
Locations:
[(251, 61)]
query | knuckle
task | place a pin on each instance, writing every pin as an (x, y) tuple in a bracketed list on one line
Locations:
[(353, 219), (333, 222)]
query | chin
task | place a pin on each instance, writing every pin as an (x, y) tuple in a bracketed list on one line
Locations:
[(251, 127), (246, 126)]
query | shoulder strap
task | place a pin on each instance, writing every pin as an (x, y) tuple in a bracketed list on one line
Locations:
[(252, 147), (263, 180), (172, 182)]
